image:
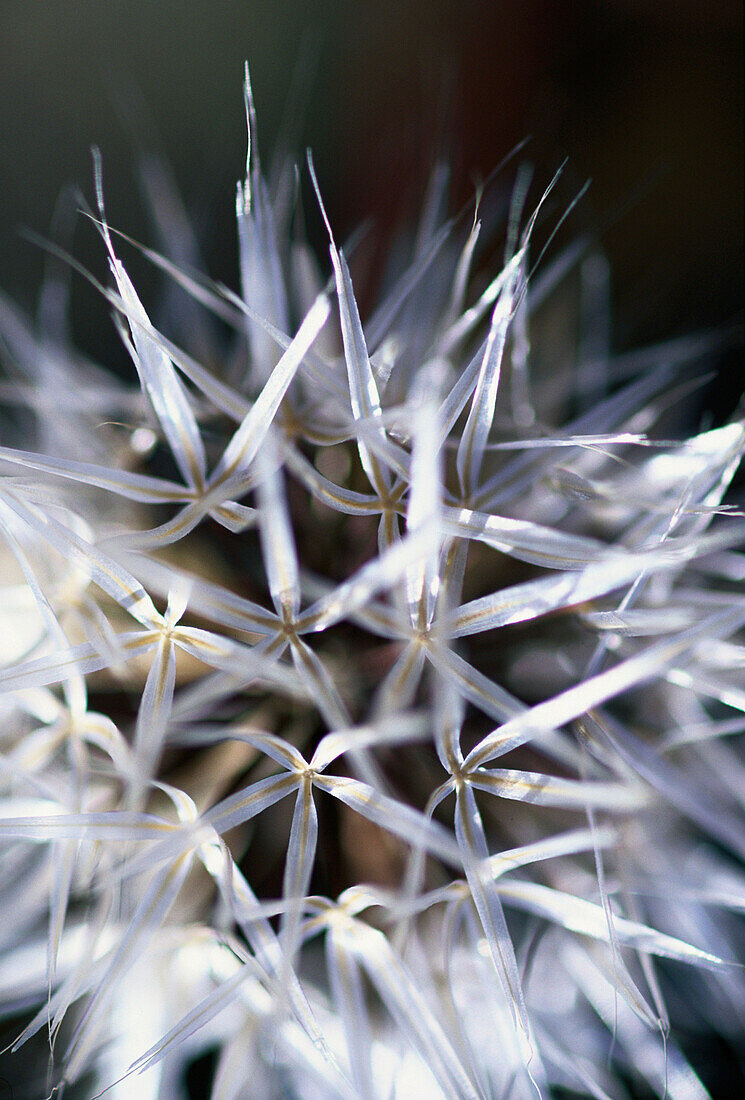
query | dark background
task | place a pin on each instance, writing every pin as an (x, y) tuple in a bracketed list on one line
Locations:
[(643, 96)]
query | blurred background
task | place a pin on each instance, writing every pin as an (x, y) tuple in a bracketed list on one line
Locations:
[(644, 97)]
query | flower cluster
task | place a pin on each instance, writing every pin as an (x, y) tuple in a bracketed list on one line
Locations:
[(372, 696)]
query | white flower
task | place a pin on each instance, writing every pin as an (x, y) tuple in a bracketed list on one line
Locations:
[(343, 602)]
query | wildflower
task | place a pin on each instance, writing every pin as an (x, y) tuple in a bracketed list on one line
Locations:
[(289, 585)]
